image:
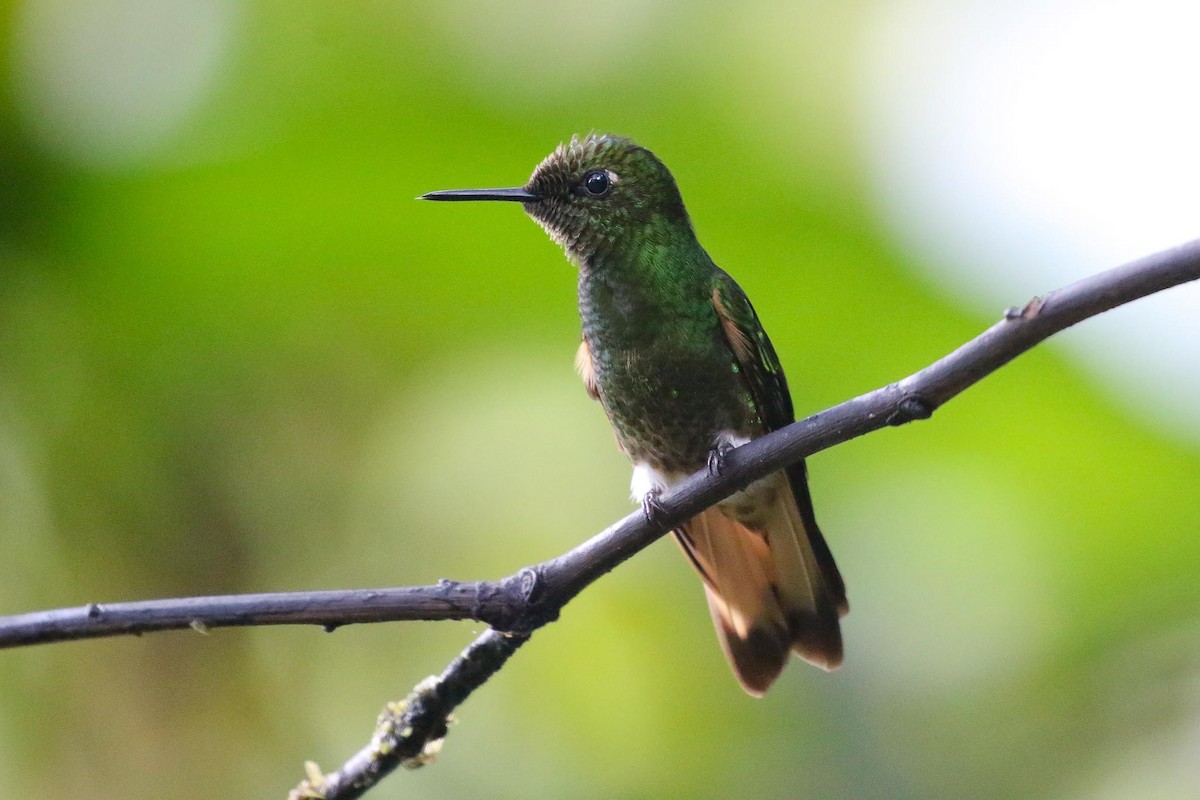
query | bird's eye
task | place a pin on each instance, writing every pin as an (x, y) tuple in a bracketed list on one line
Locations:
[(597, 183)]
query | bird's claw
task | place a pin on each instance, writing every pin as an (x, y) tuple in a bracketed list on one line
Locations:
[(716, 458), (652, 509)]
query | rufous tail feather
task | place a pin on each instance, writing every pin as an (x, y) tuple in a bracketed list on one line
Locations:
[(771, 589)]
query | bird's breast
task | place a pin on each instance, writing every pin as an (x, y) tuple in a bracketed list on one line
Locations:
[(667, 401)]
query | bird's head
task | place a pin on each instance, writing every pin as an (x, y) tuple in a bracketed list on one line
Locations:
[(593, 194)]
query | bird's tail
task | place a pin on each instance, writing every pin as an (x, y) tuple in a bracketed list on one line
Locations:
[(771, 582)]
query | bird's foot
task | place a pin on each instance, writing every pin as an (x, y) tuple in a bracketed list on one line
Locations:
[(652, 507), (716, 458)]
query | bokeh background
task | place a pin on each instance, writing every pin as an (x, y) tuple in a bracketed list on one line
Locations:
[(236, 355)]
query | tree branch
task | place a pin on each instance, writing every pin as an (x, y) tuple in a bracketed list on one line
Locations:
[(408, 732), (495, 603)]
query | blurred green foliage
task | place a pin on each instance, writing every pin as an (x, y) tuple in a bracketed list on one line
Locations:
[(235, 355)]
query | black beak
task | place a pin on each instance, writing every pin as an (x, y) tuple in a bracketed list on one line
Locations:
[(516, 195)]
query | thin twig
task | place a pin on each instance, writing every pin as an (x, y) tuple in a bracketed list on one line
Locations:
[(410, 733), (488, 602)]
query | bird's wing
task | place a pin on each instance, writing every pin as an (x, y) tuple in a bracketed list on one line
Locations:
[(754, 352)]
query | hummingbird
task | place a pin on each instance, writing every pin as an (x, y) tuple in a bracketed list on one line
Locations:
[(675, 354)]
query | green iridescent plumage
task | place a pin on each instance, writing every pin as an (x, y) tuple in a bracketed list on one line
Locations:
[(675, 353), (666, 376)]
